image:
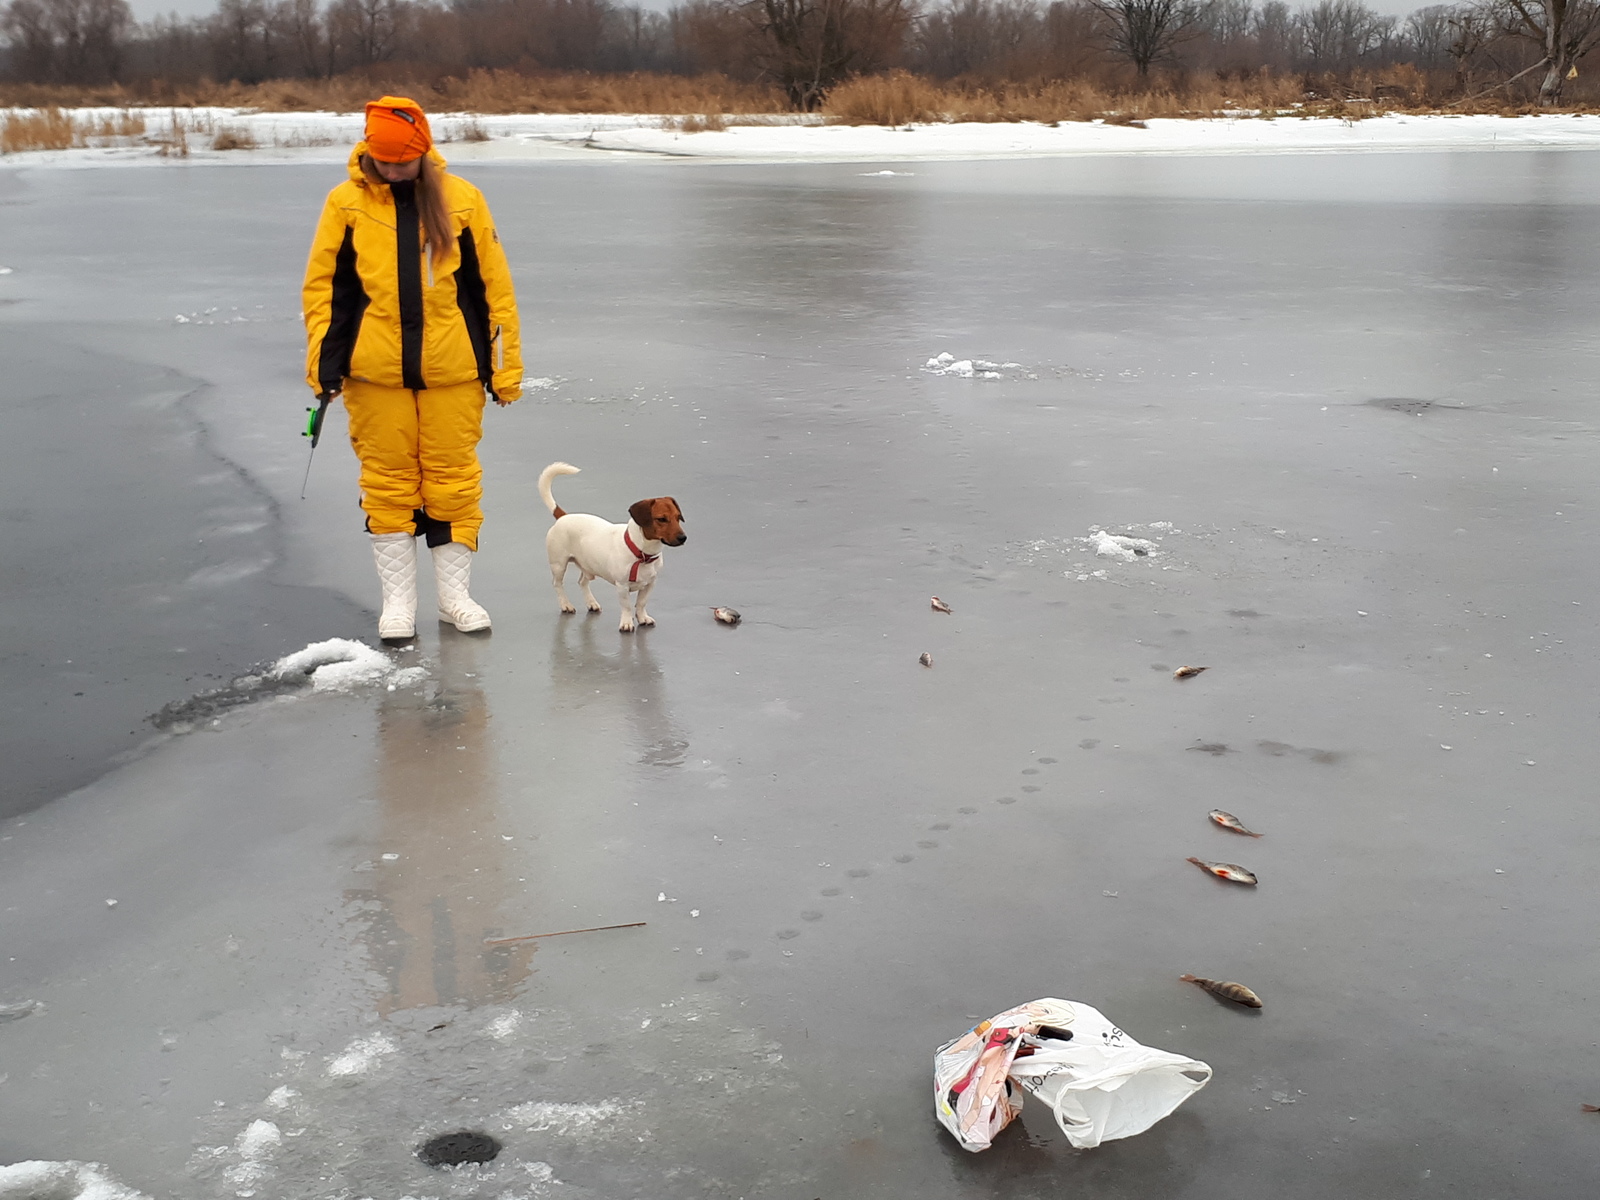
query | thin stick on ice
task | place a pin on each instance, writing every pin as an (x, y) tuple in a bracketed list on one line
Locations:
[(528, 937)]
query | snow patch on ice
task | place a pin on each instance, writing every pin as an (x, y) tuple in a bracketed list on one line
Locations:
[(971, 368), (225, 573), (253, 1146), (565, 1120), (281, 1097), (503, 1027), (880, 174), (540, 383), (361, 1055), (257, 1139), (39, 1180), (342, 665), (1119, 546)]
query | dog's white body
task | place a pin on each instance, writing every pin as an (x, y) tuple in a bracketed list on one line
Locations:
[(600, 550)]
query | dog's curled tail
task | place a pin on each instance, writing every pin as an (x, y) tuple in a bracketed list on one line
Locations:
[(545, 476)]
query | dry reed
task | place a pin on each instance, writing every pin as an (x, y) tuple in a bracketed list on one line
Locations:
[(50, 128), (899, 98), (233, 137)]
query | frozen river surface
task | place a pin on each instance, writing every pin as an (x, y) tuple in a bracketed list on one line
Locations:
[(1350, 399)]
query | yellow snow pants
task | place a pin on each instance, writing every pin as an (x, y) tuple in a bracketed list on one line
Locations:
[(419, 459)]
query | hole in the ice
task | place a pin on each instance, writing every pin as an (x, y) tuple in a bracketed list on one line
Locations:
[(453, 1149), (1403, 404)]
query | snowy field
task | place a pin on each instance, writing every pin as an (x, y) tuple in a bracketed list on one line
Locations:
[(1321, 423), (325, 137)]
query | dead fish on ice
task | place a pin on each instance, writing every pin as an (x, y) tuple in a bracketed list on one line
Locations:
[(727, 616), (1228, 821), (940, 606), (1591, 1107), (1228, 871), (925, 659), (1188, 672), (1237, 992)]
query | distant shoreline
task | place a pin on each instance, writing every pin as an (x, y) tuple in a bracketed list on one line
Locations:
[(146, 136)]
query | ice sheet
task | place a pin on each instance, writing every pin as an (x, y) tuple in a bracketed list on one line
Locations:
[(1356, 386)]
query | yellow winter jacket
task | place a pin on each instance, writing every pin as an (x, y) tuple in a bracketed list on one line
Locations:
[(378, 309)]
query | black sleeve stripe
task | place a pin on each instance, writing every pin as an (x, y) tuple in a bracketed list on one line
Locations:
[(473, 299), (349, 304)]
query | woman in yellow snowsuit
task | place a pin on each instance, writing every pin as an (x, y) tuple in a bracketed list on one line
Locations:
[(410, 313)]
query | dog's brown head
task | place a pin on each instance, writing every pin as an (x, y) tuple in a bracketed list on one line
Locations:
[(659, 519)]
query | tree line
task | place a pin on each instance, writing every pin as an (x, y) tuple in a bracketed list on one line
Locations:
[(804, 47)]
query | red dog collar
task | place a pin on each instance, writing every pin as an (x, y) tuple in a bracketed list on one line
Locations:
[(639, 555)]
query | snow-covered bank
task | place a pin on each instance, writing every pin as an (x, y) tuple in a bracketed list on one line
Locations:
[(847, 143), (326, 137)]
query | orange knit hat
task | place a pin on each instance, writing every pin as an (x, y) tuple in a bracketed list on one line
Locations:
[(397, 130)]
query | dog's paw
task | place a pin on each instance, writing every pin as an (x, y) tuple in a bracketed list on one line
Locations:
[(625, 627), (567, 608), (595, 607), (646, 619)]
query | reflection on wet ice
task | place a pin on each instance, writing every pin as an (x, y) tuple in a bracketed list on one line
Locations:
[(614, 683), (432, 906)]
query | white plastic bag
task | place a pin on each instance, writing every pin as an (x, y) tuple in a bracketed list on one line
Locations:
[(1100, 1083)]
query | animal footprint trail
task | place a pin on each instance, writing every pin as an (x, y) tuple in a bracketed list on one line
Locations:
[(860, 873)]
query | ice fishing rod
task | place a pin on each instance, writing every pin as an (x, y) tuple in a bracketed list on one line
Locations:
[(313, 430)]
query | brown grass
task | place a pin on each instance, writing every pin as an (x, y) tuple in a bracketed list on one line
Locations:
[(898, 98), (697, 123), (470, 130), (50, 128), (232, 137)]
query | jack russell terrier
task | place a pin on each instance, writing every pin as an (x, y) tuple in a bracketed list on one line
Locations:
[(625, 555)]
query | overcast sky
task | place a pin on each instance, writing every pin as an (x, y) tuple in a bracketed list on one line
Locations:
[(145, 9)]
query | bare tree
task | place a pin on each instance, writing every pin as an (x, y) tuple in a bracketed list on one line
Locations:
[(1147, 31), (1275, 35), (1336, 35), (31, 40), (367, 31), (1565, 29), (1428, 32), (807, 46), (67, 41), (970, 36)]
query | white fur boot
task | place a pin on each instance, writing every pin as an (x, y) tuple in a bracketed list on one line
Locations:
[(396, 557), (452, 574)]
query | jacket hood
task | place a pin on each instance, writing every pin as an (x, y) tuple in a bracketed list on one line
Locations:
[(360, 180)]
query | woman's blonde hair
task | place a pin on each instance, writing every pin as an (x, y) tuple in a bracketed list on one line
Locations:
[(430, 203)]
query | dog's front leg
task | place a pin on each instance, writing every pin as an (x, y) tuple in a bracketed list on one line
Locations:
[(625, 598), (644, 594)]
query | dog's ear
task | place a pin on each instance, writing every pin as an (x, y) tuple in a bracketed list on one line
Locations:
[(643, 514)]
